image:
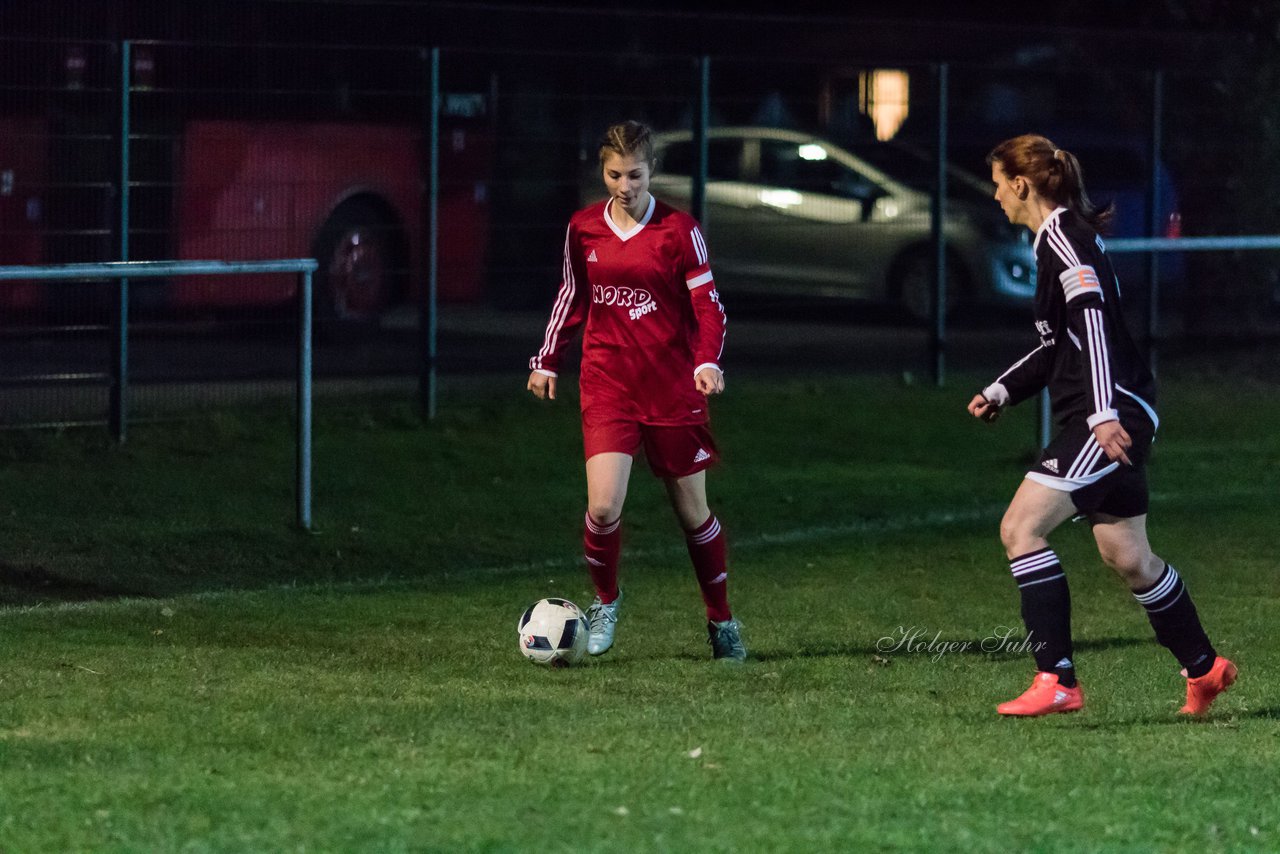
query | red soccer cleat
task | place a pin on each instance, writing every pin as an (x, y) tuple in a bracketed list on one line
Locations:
[(1203, 690), (1044, 697)]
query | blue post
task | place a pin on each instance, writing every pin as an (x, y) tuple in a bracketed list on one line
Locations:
[(1154, 224), (168, 269), (938, 336), (304, 402), (701, 124), (119, 395), (427, 379), (1044, 418)]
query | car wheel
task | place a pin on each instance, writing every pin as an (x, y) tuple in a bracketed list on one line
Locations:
[(911, 284), (356, 257)]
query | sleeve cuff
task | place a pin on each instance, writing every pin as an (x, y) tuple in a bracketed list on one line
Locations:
[(698, 369), (997, 394), (1102, 417), (545, 372)]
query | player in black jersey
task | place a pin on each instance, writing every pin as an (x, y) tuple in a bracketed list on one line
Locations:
[(1103, 400)]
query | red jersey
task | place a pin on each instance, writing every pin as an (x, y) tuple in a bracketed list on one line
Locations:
[(652, 314)]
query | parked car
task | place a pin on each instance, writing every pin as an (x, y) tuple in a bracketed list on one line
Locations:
[(791, 214), (1117, 170)]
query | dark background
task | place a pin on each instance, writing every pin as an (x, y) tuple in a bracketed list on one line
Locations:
[(552, 75)]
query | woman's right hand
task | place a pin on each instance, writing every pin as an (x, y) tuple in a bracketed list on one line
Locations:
[(984, 409), (542, 386)]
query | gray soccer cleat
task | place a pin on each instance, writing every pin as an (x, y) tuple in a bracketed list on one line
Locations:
[(601, 621), (726, 640)]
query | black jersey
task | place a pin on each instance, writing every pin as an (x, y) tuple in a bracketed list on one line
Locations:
[(1086, 356)]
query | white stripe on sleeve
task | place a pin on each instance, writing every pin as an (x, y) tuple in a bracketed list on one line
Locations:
[(698, 281), (1100, 367), (699, 245), (564, 304)]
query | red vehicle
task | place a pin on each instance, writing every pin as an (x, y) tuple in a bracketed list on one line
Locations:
[(230, 173), (23, 174)]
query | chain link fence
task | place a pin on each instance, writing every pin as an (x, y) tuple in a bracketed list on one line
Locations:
[(255, 134)]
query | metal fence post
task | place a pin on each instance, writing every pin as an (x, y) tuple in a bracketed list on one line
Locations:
[(303, 484), (701, 120), (938, 333), (427, 380), (118, 416), (1154, 224), (1044, 419), (112, 270)]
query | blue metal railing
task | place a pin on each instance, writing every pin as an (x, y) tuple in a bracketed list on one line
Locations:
[(1192, 244), (124, 270), (1155, 245)]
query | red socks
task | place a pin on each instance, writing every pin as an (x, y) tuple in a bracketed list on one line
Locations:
[(707, 551), (601, 544)]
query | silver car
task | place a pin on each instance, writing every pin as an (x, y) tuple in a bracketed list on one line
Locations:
[(789, 214)]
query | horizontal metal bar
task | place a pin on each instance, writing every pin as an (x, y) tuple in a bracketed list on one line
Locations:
[(45, 379), (153, 269), (1191, 244)]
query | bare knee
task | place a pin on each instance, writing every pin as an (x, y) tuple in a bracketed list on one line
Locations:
[(604, 512), (1133, 562), (1019, 538)]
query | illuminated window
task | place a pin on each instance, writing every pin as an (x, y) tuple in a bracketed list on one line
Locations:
[(883, 95)]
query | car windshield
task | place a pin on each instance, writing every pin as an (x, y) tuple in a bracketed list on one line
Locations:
[(915, 169)]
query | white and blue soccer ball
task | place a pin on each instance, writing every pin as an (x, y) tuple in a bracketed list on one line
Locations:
[(553, 632)]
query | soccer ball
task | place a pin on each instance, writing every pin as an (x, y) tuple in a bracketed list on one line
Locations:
[(554, 632)]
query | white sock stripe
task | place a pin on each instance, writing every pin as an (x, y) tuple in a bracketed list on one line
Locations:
[(1168, 604), (1163, 587), (603, 530), (707, 535), (1018, 573), (720, 579), (1035, 561), (1042, 580)]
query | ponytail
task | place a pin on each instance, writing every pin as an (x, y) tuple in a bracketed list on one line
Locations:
[(1054, 173)]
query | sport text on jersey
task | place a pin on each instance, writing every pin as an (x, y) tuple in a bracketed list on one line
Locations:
[(1046, 332), (639, 300)]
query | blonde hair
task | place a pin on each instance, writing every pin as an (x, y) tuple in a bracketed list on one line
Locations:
[(628, 138)]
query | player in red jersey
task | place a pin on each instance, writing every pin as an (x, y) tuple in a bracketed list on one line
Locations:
[(636, 273)]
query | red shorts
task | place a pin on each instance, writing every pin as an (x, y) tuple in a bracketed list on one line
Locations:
[(676, 451)]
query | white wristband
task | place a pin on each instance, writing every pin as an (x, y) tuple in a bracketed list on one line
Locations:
[(996, 393)]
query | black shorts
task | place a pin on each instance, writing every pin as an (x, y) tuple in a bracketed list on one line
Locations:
[(1074, 462)]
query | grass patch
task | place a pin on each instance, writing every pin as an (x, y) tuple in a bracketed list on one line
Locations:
[(359, 688)]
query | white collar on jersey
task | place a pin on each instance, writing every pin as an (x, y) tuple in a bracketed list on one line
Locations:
[(635, 229), (1044, 226)]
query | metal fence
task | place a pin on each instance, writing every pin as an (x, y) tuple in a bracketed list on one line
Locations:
[(120, 274), (429, 165)]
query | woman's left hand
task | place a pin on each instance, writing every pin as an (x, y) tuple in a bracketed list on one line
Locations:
[(709, 381), (1114, 439)]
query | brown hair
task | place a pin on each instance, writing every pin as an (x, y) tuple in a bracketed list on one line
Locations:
[(628, 138), (1053, 172)]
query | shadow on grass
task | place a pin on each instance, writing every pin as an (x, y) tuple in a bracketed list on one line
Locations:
[(29, 585)]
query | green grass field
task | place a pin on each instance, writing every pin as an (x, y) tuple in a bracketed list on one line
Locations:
[(182, 671)]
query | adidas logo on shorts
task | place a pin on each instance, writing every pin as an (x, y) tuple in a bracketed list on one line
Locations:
[(701, 455), (1051, 465)]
